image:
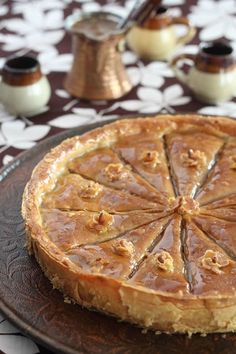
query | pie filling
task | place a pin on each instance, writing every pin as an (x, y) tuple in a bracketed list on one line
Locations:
[(154, 210)]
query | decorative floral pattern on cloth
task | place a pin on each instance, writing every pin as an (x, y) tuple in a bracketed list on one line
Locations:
[(37, 27)]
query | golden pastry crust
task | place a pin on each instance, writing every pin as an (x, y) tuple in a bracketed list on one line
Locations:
[(165, 300)]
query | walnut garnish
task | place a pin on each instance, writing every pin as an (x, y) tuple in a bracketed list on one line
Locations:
[(101, 222), (214, 261), (184, 205), (115, 171), (187, 205), (193, 158), (150, 158), (89, 190), (233, 164), (123, 247), (164, 261), (98, 263)]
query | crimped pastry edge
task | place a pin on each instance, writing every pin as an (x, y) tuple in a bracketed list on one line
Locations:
[(148, 308)]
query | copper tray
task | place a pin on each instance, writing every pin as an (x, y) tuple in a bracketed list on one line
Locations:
[(28, 300)]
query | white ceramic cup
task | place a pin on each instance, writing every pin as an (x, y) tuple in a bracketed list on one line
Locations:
[(212, 72), (24, 90), (157, 39)]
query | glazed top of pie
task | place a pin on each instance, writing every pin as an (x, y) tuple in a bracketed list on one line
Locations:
[(149, 202)]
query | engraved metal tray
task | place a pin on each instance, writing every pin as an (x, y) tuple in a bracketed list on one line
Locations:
[(28, 300)]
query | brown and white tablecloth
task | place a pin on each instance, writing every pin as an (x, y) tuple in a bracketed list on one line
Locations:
[(37, 27)]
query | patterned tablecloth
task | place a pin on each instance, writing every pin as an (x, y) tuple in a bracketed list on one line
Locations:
[(37, 26)]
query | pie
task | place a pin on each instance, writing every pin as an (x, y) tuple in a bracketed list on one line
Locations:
[(137, 219)]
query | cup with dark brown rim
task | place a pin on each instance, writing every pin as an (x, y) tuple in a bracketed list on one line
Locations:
[(156, 38), (24, 90), (212, 72)]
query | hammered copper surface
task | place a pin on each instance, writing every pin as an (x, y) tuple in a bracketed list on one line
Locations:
[(97, 71), (63, 327)]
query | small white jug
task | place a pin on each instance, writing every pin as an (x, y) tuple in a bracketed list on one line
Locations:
[(157, 39), (24, 90), (212, 73)]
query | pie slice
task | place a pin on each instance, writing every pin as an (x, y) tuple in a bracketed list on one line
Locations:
[(191, 156), (223, 232), (226, 202), (69, 229), (221, 181), (210, 270), (117, 258), (163, 269), (146, 154), (104, 166), (223, 208), (227, 213), (73, 192)]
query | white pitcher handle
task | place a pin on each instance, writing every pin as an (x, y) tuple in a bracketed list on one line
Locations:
[(177, 64)]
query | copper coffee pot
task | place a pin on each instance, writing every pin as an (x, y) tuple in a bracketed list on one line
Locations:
[(97, 71)]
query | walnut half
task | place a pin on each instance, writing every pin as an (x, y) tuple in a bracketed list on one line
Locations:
[(101, 222), (97, 264), (150, 158), (193, 158), (115, 171), (164, 261), (89, 190), (123, 248), (214, 261)]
